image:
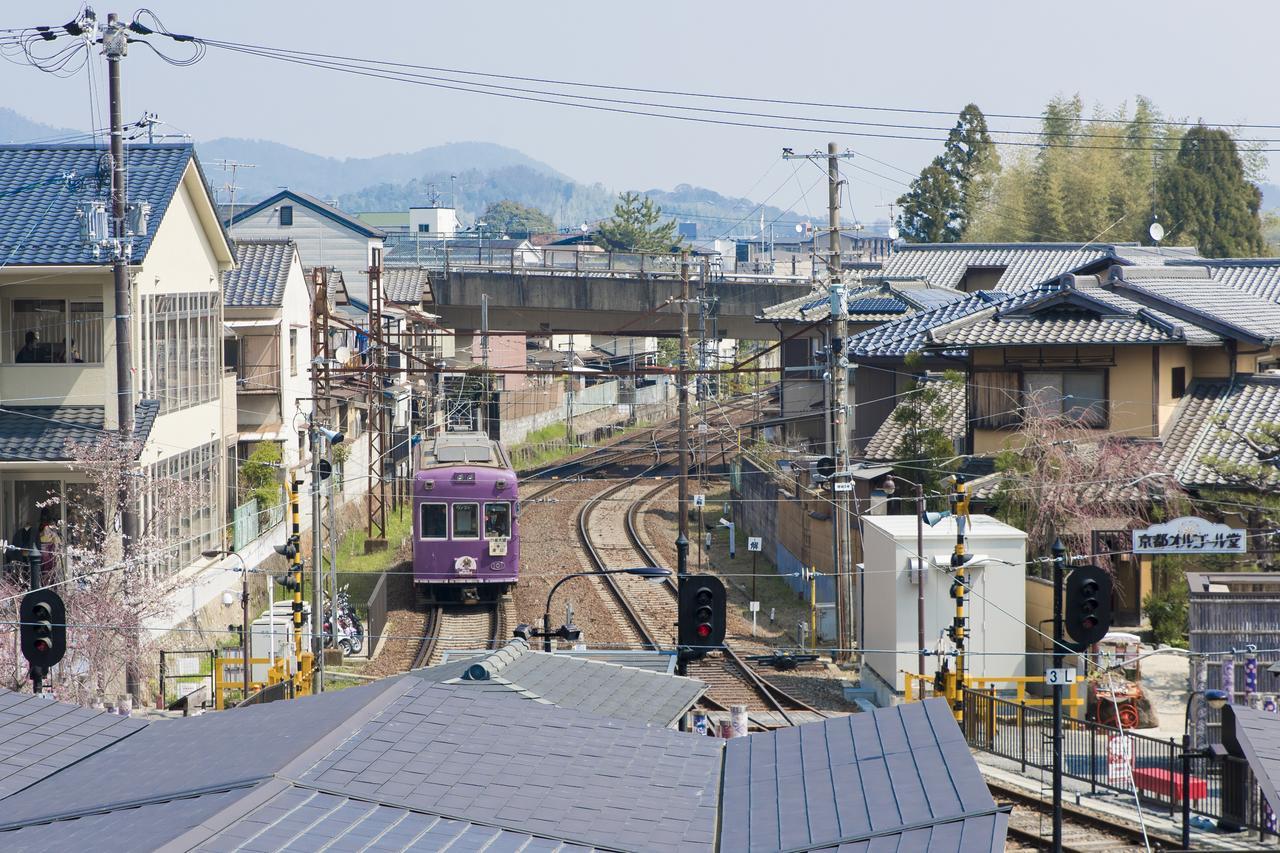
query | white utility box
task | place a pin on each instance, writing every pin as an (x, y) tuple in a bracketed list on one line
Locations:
[(888, 608), (262, 636)]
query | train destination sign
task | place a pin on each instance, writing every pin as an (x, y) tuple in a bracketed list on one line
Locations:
[(1189, 535)]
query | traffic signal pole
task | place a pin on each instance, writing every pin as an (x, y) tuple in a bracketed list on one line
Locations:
[(960, 504), (1059, 563)]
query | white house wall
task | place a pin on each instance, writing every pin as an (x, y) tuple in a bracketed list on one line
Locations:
[(320, 241)]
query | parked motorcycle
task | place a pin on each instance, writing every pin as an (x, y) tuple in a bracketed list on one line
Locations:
[(348, 634)]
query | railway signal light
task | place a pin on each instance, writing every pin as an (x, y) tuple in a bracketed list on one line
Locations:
[(701, 614), (1088, 612), (43, 636), (289, 549)]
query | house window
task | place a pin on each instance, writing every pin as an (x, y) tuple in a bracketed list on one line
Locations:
[(55, 331), (996, 398), (1077, 396), (181, 344), (231, 353), (423, 227), (293, 352), (1178, 379), (193, 526), (286, 214)]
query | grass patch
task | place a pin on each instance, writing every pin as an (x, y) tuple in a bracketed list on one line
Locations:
[(358, 570), (547, 445)]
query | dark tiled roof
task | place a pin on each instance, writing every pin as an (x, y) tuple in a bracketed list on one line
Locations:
[(41, 433), (406, 285), (317, 205), (911, 334), (885, 444), (857, 779), (1257, 276), (1195, 293), (1025, 264), (607, 689), (867, 304), (38, 205), (1255, 734), (39, 737), (1194, 434), (260, 276)]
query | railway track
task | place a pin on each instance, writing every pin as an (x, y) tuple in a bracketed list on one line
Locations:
[(649, 609), (457, 627), (1083, 830)]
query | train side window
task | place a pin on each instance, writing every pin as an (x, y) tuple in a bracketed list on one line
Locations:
[(466, 521), (435, 521), (497, 520)]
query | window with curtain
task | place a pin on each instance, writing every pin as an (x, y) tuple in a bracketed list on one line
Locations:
[(996, 399), (1077, 396)]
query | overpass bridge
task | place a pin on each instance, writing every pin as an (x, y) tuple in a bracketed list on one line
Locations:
[(542, 291)]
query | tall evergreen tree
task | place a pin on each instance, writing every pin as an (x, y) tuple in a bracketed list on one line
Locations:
[(1208, 200), (940, 203), (637, 226)]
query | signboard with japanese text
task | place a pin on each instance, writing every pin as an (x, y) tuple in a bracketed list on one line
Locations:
[(1189, 535)]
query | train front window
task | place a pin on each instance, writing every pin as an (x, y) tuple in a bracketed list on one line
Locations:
[(434, 521), (497, 521), (466, 521)]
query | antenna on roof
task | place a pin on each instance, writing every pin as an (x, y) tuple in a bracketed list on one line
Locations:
[(230, 186), (1156, 230)]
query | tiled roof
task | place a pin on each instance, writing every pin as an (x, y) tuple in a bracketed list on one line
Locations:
[(1194, 292), (41, 433), (860, 782), (41, 188), (1056, 327), (317, 205), (885, 444), (406, 285), (1255, 733), (1194, 434), (259, 279), (623, 692), (1025, 264), (39, 737), (870, 304), (1257, 276), (910, 334)]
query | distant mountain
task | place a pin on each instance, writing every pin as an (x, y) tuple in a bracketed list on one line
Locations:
[(18, 128), (277, 165)]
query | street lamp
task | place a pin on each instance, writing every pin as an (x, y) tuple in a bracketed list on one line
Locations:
[(214, 553), (1215, 699), (652, 573)]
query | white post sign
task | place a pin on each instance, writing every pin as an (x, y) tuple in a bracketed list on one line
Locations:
[(1054, 677), (755, 608), (699, 500), (754, 543), (1189, 535)]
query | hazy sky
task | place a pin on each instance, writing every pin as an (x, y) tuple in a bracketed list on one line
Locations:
[(1007, 57)]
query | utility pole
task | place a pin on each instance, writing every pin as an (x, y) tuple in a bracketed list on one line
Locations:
[(1059, 564), (115, 44), (376, 501), (682, 398), (317, 556)]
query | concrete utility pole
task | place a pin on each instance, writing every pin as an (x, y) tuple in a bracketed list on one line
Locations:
[(841, 540), (115, 44), (682, 398)]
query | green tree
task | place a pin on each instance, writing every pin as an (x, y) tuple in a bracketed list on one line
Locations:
[(637, 226), (511, 217), (929, 206), (926, 448), (1208, 199), (260, 475), (941, 201)]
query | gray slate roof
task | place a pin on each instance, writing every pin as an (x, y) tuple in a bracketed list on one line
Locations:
[(608, 689), (911, 334), (1192, 434), (859, 783), (886, 444), (260, 276), (38, 205), (41, 433), (38, 737), (1197, 291), (1257, 276), (313, 203), (1256, 734), (1026, 264)]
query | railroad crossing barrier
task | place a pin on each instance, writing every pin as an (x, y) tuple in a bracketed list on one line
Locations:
[(228, 675)]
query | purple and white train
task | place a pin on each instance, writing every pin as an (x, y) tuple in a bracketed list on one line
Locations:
[(466, 532)]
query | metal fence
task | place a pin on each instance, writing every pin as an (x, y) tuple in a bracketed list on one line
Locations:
[(376, 618), (1112, 759), (270, 693), (247, 522)]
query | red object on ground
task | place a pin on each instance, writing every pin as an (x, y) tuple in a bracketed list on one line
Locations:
[(1157, 780)]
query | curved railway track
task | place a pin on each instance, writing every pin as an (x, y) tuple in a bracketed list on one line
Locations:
[(452, 627), (1083, 830), (649, 609)]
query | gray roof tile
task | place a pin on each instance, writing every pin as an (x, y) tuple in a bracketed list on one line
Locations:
[(403, 285), (261, 273), (1194, 433), (42, 433), (38, 205)]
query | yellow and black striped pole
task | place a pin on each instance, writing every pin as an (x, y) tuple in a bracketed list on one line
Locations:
[(295, 571), (960, 509)]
